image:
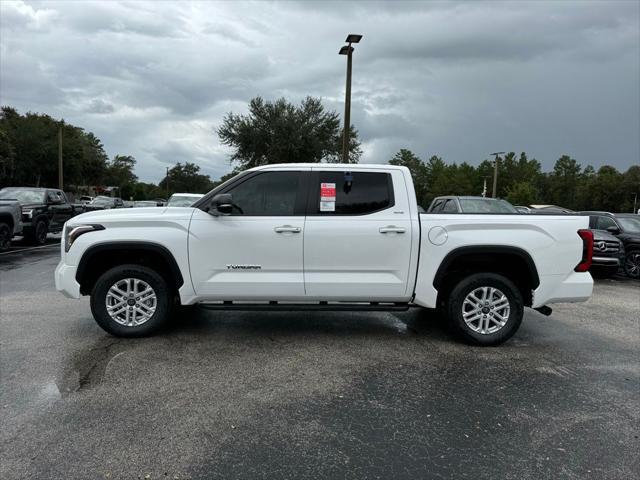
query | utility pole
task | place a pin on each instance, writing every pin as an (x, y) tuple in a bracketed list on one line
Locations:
[(60, 178), (167, 178), (635, 199), (348, 51), (495, 172)]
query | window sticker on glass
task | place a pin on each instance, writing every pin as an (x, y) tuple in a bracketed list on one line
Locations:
[(327, 192), (327, 206)]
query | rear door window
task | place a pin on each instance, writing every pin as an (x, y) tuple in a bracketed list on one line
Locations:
[(350, 193)]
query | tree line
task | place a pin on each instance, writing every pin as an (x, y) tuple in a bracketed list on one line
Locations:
[(282, 132), (29, 157), (521, 181)]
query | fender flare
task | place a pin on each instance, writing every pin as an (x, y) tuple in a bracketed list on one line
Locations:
[(129, 245), (486, 250)]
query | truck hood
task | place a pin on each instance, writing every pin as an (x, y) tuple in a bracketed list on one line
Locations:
[(131, 215)]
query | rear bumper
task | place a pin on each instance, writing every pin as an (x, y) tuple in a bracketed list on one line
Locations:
[(65, 276), (575, 287)]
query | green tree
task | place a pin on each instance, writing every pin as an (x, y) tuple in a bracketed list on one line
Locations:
[(280, 132), (437, 178), (120, 173), (29, 151), (522, 193), (418, 169), (186, 179), (564, 182)]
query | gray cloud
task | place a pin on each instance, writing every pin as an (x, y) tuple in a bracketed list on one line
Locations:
[(457, 79)]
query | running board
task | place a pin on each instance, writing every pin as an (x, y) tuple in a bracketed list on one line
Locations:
[(324, 306)]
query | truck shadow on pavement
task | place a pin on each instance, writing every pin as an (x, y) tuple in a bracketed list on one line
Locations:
[(85, 368)]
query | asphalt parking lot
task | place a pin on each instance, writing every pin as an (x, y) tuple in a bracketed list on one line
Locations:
[(313, 395)]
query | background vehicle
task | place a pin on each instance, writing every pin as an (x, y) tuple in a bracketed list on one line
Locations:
[(44, 210), (10, 224), (183, 199), (84, 199), (522, 209), (104, 203), (366, 247), (550, 210), (145, 203), (626, 227), (451, 204), (608, 254)]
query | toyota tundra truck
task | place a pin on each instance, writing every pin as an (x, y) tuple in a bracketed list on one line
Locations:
[(323, 237)]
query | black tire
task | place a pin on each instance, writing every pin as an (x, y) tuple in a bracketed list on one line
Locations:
[(38, 234), (163, 295), (456, 302), (5, 237), (632, 264)]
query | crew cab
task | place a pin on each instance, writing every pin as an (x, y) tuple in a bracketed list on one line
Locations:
[(44, 210), (323, 237)]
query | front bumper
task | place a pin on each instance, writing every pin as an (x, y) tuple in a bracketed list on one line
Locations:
[(65, 276), (606, 261)]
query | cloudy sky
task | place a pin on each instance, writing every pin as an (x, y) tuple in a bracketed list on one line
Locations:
[(457, 79)]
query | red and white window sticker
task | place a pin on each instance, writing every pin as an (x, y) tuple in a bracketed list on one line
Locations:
[(327, 197), (328, 192)]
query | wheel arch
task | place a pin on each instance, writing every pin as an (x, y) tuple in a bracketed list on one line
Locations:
[(6, 217), (101, 257), (511, 262)]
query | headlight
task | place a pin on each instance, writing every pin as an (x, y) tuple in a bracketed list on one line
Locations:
[(27, 212), (72, 232)]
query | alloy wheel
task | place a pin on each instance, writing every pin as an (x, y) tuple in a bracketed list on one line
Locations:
[(486, 310), (131, 302), (632, 264)]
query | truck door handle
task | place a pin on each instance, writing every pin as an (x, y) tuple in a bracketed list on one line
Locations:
[(287, 229), (391, 229)]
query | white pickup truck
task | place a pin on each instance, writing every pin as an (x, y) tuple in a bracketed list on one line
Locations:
[(323, 236)]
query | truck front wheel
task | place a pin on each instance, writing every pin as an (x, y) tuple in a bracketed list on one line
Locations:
[(38, 234), (485, 309), (131, 301)]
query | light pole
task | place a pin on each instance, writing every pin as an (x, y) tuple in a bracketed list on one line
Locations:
[(60, 177), (348, 51), (167, 183), (495, 172)]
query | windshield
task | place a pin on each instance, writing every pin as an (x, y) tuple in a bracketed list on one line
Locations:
[(629, 224), (486, 205), (183, 201), (101, 201), (22, 196)]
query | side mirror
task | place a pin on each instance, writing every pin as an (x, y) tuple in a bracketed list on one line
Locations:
[(221, 204), (614, 230)]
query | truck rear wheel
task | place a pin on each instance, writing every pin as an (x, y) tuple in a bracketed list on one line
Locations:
[(131, 301), (485, 309)]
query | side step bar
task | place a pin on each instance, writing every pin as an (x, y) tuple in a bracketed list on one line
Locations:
[(322, 306)]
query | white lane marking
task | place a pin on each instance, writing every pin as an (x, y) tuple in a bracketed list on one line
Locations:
[(31, 248)]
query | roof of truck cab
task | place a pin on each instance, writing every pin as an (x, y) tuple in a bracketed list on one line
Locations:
[(345, 166)]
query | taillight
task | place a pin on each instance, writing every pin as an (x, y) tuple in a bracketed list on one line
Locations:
[(587, 250)]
